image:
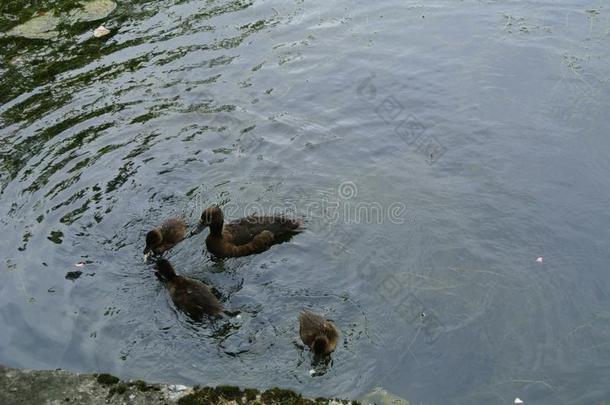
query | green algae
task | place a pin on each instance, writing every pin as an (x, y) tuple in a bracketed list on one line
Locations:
[(107, 379), (43, 26), (207, 395), (283, 396), (46, 24), (143, 386), (250, 394), (118, 387), (92, 11), (279, 396), (56, 237)]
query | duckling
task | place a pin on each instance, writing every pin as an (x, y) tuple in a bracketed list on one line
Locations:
[(190, 296), (165, 237), (318, 333), (245, 236)]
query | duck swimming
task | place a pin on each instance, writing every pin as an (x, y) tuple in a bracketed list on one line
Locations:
[(166, 236), (190, 296), (318, 333), (245, 236)]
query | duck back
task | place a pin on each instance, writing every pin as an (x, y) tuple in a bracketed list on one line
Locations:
[(193, 297), (312, 326), (244, 230), (173, 230)]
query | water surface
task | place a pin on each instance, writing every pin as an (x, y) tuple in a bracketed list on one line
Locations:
[(473, 133)]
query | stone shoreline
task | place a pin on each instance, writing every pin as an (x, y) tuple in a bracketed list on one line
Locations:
[(53, 387)]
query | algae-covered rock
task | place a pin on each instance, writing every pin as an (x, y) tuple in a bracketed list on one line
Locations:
[(45, 25), (42, 26), (92, 10), (62, 387), (107, 379)]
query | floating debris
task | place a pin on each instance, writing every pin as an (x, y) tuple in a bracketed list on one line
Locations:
[(79, 264), (518, 401), (56, 237), (73, 275), (101, 31), (539, 259)]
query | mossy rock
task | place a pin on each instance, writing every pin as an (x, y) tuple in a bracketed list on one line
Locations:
[(46, 24), (207, 395), (118, 389), (279, 396), (57, 386), (283, 396), (229, 392), (251, 394), (143, 386), (107, 379)]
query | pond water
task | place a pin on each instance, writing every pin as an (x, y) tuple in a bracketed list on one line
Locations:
[(435, 149)]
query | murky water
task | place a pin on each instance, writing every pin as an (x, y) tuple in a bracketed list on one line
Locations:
[(436, 150)]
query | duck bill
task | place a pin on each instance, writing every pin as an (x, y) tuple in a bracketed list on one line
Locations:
[(147, 253), (198, 229)]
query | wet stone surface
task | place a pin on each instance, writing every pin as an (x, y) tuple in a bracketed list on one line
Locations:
[(59, 386)]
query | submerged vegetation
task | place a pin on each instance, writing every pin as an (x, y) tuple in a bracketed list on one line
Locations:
[(55, 386), (279, 396), (47, 24), (50, 57)]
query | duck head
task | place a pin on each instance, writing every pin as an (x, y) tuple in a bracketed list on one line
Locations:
[(212, 217), (154, 239), (165, 269), (321, 345)]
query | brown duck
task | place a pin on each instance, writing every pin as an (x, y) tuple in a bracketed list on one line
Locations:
[(245, 236), (318, 333), (166, 236), (190, 296)]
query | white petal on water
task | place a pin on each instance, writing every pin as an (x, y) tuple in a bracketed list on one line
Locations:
[(101, 31)]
